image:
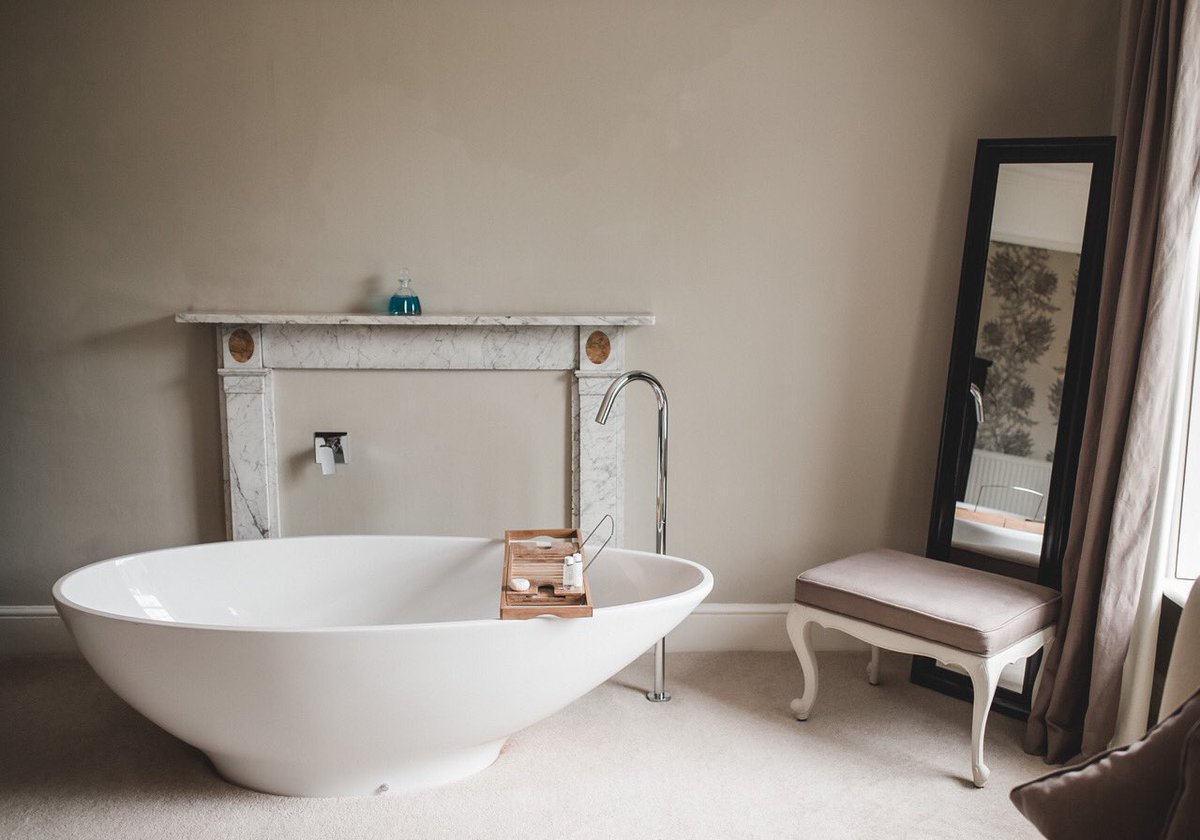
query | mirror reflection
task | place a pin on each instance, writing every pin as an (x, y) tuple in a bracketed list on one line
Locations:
[(1020, 359)]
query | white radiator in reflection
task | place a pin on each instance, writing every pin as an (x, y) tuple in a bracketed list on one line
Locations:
[(992, 474)]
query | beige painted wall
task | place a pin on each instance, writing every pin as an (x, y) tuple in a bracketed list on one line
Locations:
[(467, 453), (783, 183)]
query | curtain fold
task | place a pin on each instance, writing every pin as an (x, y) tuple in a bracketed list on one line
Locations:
[(1178, 263), (1130, 397)]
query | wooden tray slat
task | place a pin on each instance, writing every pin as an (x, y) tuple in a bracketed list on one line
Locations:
[(542, 567)]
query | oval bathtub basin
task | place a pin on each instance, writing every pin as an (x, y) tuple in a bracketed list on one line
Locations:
[(343, 666)]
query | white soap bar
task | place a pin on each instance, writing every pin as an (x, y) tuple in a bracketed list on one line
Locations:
[(518, 584)]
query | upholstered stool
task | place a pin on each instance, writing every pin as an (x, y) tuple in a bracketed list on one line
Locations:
[(896, 601)]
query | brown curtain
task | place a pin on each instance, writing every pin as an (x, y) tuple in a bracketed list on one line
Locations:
[(1075, 708)]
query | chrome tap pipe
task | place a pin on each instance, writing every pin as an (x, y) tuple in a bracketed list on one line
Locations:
[(659, 694)]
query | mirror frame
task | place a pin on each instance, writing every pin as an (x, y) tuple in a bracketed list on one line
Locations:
[(990, 155)]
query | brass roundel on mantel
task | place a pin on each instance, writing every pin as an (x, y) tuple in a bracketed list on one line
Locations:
[(598, 347), (241, 345)]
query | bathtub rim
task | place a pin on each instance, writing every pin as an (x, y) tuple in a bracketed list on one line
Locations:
[(61, 602)]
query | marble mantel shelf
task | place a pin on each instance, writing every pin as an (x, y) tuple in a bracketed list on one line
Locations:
[(448, 320), (252, 346)]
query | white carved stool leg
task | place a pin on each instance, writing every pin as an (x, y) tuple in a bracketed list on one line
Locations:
[(800, 631), (873, 666), (985, 675)]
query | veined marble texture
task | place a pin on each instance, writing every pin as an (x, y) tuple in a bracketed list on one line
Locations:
[(601, 470), (464, 342), (365, 347), (252, 459), (633, 319)]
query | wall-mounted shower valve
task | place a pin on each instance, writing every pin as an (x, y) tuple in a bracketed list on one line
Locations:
[(331, 448)]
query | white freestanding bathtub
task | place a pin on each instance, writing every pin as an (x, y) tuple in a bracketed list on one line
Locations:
[(342, 666)]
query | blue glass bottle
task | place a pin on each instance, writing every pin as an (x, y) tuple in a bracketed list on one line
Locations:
[(405, 301)]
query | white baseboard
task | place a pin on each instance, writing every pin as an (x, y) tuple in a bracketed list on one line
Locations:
[(27, 631), (712, 627), (730, 627)]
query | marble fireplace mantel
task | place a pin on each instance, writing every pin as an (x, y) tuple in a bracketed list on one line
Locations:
[(252, 345)]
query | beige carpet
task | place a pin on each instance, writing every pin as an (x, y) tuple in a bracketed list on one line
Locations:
[(724, 759)]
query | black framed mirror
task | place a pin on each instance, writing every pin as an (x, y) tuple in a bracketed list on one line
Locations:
[(1020, 365)]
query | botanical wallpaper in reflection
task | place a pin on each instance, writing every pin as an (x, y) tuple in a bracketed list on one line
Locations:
[(1025, 322)]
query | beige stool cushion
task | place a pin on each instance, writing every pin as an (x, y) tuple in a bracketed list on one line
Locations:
[(964, 608)]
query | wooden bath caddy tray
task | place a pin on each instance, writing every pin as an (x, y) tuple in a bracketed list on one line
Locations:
[(543, 568)]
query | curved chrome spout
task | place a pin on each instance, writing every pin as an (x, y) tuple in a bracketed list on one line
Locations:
[(660, 393), (659, 694)]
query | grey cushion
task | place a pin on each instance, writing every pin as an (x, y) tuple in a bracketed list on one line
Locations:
[(964, 608), (1122, 794)]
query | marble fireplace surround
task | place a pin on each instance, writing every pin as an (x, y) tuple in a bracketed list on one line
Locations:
[(252, 346)]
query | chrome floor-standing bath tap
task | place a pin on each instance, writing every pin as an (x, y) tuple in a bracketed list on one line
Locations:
[(659, 694)]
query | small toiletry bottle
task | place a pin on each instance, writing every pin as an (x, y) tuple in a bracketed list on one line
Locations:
[(567, 571), (405, 301)]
